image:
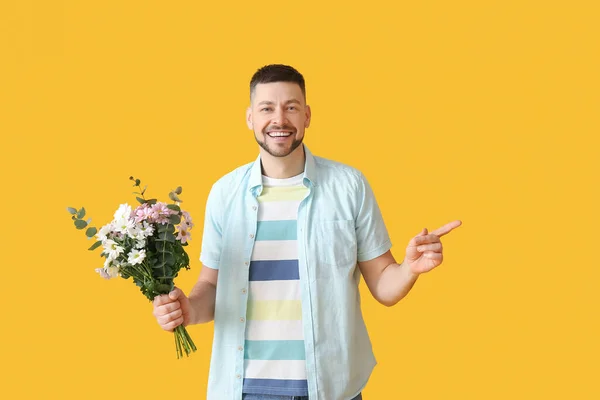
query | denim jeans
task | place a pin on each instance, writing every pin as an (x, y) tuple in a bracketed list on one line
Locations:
[(251, 396)]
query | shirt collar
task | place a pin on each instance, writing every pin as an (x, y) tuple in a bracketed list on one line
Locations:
[(310, 172)]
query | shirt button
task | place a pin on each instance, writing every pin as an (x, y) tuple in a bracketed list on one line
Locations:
[(242, 319), (251, 236), (244, 291), (238, 376), (254, 208), (240, 348), (246, 263)]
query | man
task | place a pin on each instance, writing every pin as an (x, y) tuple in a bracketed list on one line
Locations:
[(282, 240)]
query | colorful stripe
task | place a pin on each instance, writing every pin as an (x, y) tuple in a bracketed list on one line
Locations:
[(276, 230), (275, 270), (274, 350), (274, 310), (282, 193)]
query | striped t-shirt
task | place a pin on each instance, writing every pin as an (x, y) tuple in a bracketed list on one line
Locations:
[(274, 344)]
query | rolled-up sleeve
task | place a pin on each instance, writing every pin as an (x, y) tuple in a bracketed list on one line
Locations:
[(371, 233), (210, 253)]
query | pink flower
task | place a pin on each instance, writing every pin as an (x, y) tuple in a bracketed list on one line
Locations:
[(184, 234), (142, 213), (188, 219), (160, 213)]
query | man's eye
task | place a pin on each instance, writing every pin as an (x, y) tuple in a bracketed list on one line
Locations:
[(264, 109), (292, 108)]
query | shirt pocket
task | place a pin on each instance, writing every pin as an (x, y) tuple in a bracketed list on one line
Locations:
[(336, 246)]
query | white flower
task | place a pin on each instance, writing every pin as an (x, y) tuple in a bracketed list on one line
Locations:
[(140, 244), (134, 231), (146, 229), (124, 212), (136, 256), (102, 234), (112, 249), (123, 225)]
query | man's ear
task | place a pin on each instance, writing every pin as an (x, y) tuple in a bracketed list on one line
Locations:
[(308, 116), (249, 118)]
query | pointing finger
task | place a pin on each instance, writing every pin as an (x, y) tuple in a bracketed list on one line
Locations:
[(447, 228)]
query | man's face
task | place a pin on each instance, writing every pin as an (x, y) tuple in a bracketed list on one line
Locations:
[(278, 116)]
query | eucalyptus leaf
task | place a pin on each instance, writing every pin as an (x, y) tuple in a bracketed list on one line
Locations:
[(178, 190), (91, 232), (142, 201), (137, 182), (81, 213), (80, 224), (72, 210), (174, 219), (173, 207), (96, 245), (174, 197)]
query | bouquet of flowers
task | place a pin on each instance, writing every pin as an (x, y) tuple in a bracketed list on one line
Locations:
[(145, 244)]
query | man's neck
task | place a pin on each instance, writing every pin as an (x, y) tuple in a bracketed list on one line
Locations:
[(283, 167)]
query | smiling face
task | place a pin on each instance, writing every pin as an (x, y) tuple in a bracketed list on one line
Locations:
[(278, 115)]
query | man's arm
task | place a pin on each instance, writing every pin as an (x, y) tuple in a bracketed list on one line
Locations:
[(202, 296), (387, 281)]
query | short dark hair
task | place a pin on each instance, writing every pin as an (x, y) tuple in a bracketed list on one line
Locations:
[(277, 73)]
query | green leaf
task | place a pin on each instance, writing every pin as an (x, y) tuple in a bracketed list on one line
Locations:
[(145, 187), (163, 288), (151, 201), (137, 182), (91, 232), (173, 207), (174, 197), (162, 228), (72, 210), (96, 245), (178, 190), (80, 224), (159, 265), (142, 201), (174, 219), (166, 236), (81, 213), (89, 220)]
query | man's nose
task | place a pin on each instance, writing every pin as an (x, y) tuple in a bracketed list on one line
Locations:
[(279, 117)]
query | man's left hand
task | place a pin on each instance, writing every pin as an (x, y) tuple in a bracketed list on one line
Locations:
[(424, 251)]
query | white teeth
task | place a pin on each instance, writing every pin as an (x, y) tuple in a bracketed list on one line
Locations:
[(279, 134)]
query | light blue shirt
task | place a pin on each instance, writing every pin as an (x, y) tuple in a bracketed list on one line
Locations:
[(339, 224)]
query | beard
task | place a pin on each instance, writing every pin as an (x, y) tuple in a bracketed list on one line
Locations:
[(277, 151)]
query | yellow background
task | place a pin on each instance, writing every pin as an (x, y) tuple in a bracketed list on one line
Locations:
[(487, 112)]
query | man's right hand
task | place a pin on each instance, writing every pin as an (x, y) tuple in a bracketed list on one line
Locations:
[(172, 310)]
